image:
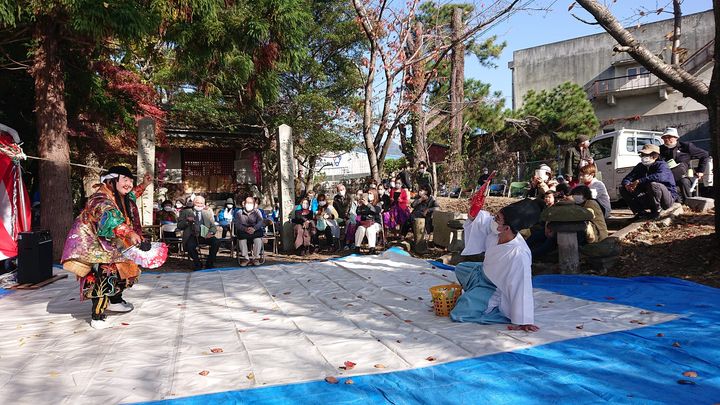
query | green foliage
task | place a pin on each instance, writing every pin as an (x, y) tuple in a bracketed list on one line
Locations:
[(564, 111), (394, 165)]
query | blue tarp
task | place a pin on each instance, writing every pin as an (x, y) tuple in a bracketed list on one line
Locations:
[(641, 365)]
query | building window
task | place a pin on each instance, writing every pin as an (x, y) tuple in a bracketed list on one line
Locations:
[(633, 72)]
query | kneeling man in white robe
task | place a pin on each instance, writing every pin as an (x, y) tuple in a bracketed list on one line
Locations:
[(498, 290)]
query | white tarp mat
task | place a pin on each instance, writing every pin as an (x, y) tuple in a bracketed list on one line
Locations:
[(275, 325)]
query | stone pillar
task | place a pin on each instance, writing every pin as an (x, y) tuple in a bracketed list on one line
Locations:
[(145, 165), (286, 186)]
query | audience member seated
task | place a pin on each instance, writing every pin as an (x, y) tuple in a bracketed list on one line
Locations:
[(384, 200), (682, 153), (167, 214), (542, 182), (249, 225), (226, 215), (597, 229), (304, 228), (341, 203), (198, 226), (564, 210), (597, 187), (179, 206), (399, 211), (326, 221), (367, 224), (650, 185), (499, 289), (423, 206)]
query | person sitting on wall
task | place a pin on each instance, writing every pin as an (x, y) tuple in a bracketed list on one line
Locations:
[(304, 227), (199, 228), (597, 229), (681, 153), (249, 225), (597, 187), (650, 185), (367, 224), (226, 215)]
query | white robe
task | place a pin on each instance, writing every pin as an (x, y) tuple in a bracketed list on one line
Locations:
[(477, 234), (507, 265)]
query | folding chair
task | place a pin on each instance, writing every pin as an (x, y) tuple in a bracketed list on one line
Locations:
[(168, 235)]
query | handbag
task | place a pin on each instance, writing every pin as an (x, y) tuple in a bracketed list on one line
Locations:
[(321, 224)]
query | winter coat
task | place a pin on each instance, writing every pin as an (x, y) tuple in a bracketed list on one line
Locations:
[(658, 172)]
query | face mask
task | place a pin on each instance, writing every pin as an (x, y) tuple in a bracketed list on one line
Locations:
[(229, 206), (371, 197), (249, 207), (398, 186), (422, 170), (305, 206), (381, 192), (647, 160), (178, 205), (168, 208), (494, 227), (321, 203), (342, 193), (579, 199), (198, 208), (392, 184), (156, 207)]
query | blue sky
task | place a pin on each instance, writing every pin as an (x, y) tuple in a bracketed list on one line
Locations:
[(526, 29)]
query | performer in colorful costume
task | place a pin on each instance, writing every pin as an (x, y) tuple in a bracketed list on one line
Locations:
[(94, 247)]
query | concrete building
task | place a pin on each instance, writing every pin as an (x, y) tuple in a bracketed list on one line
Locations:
[(622, 92)]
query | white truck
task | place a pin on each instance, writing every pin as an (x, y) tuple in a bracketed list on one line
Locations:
[(616, 153)]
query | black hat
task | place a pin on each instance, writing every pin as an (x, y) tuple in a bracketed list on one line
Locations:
[(123, 170), (522, 214)]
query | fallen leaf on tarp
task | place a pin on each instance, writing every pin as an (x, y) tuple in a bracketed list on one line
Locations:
[(580, 327), (54, 374), (71, 299), (444, 275), (686, 382), (349, 382), (349, 305), (610, 298), (250, 376), (599, 320), (645, 312), (637, 322), (420, 298), (216, 350), (551, 302), (157, 276), (242, 330), (660, 335), (386, 314), (659, 305), (422, 272), (398, 340), (349, 365), (204, 373), (287, 293), (334, 298), (359, 296), (266, 319), (408, 321), (691, 374), (331, 380), (379, 365), (124, 324), (676, 344), (164, 286), (430, 358)]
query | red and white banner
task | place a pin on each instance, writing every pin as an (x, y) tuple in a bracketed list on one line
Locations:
[(14, 202)]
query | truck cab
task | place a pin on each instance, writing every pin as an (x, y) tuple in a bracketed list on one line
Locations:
[(616, 153)]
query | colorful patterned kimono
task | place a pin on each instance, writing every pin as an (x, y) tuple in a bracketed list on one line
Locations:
[(93, 250)]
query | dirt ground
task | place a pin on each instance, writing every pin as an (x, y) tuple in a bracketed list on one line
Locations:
[(685, 250)]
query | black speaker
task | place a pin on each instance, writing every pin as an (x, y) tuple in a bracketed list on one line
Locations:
[(35, 250)]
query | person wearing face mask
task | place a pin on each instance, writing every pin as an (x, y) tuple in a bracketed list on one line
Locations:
[(226, 215), (597, 228), (179, 206), (399, 211), (341, 203), (672, 150), (424, 178), (650, 185), (542, 182), (94, 246), (304, 228), (597, 188), (384, 201), (198, 227), (485, 175), (499, 289), (404, 177), (249, 226), (577, 157), (367, 224), (326, 218), (423, 206), (167, 214)]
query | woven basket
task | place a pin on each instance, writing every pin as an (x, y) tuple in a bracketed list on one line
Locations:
[(444, 298)]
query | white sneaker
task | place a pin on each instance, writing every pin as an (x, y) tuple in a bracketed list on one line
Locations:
[(100, 324), (120, 307)]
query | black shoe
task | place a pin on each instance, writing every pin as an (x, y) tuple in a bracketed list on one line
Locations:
[(209, 265), (373, 251), (652, 215)]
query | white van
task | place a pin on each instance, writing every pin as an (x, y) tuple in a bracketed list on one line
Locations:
[(616, 153)]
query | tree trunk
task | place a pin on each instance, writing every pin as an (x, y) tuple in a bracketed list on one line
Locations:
[(677, 30), (51, 115), (457, 96), (714, 114), (312, 161)]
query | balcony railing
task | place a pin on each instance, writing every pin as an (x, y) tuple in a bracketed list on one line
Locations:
[(700, 58), (632, 83)]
